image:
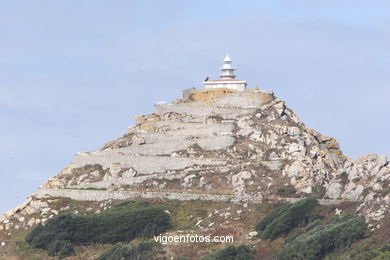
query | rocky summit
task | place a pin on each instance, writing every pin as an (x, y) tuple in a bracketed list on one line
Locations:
[(219, 145)]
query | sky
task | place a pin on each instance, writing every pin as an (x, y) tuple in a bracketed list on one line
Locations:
[(73, 74)]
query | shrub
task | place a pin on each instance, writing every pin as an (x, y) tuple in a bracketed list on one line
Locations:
[(319, 191), (144, 250), (123, 222), (383, 256), (320, 239), (344, 177), (367, 250), (281, 220), (364, 251), (57, 229), (286, 190), (385, 247), (240, 252)]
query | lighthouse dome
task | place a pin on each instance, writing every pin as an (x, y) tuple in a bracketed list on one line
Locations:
[(227, 58)]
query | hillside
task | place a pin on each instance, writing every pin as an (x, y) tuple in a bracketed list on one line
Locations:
[(218, 161)]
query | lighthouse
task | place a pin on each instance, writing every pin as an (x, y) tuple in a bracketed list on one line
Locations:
[(227, 78)]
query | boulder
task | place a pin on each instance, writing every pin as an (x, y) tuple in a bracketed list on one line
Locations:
[(352, 191), (333, 190)]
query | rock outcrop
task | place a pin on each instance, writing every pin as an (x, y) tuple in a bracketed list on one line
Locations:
[(244, 145), (366, 179)]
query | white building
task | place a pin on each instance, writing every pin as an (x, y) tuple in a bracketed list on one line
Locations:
[(227, 78)]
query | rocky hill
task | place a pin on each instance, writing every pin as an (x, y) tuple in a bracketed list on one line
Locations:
[(220, 145)]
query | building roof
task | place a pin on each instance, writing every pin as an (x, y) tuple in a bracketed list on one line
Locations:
[(223, 80)]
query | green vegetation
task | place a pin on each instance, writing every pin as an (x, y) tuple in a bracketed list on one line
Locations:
[(61, 248), (344, 177), (366, 250), (319, 191), (302, 232), (90, 188), (240, 252), (286, 190), (319, 239), (281, 220), (123, 222), (143, 250), (93, 188), (184, 215), (365, 191)]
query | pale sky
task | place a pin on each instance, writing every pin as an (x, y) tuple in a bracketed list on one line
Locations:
[(74, 73)]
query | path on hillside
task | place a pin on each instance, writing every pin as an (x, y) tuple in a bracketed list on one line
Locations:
[(100, 195)]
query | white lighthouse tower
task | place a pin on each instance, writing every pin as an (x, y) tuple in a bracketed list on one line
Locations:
[(227, 70), (227, 78)]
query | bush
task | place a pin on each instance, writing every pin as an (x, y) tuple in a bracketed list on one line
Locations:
[(53, 235), (144, 250), (344, 177), (383, 256), (240, 252), (61, 248), (366, 250), (281, 220), (286, 190), (385, 247), (363, 251), (319, 239), (121, 223)]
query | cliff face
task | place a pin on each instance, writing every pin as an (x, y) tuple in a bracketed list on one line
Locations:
[(217, 145), (367, 180), (243, 143)]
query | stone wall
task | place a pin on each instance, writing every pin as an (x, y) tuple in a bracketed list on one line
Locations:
[(142, 164), (100, 195)]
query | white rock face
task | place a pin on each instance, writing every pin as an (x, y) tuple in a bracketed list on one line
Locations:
[(252, 234), (31, 222), (364, 179), (295, 169), (153, 148), (333, 190), (352, 191), (188, 180), (239, 178), (238, 181)]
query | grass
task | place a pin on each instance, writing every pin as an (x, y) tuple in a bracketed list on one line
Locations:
[(18, 249), (89, 188), (181, 213), (80, 206), (184, 215)]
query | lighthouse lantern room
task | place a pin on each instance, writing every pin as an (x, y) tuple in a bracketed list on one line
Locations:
[(227, 78)]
